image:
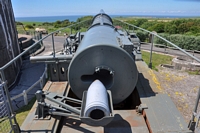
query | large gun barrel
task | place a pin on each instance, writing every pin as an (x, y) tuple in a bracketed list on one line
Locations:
[(100, 57)]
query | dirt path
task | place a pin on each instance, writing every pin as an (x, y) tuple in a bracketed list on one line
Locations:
[(181, 87)]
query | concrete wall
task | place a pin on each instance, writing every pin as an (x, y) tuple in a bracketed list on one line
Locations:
[(9, 47)]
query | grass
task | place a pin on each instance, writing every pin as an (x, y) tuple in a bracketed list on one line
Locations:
[(31, 23), (23, 112), (157, 59), (196, 72)]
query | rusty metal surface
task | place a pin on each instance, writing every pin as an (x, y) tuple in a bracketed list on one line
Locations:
[(162, 114), (125, 121), (46, 125)]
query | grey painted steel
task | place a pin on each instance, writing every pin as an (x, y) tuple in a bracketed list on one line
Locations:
[(58, 71), (100, 122), (54, 52), (100, 49), (63, 114), (97, 99), (193, 124), (52, 97), (49, 58), (101, 19), (57, 65)]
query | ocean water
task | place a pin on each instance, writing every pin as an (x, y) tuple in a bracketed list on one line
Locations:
[(47, 18), (74, 18)]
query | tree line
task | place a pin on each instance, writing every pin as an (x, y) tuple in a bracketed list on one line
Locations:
[(175, 26), (56, 24)]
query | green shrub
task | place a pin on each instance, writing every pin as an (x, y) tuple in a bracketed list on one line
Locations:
[(142, 35), (197, 43), (160, 41), (28, 26), (176, 39), (18, 23), (188, 42)]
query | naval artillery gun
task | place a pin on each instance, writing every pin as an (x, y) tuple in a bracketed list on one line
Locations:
[(100, 67), (101, 60)]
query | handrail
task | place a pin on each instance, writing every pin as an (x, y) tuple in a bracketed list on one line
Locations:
[(182, 50), (24, 93), (18, 56), (3, 78), (30, 88)]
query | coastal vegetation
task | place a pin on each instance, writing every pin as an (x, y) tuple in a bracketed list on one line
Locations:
[(52, 26), (184, 32)]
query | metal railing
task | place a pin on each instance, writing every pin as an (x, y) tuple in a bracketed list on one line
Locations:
[(13, 121), (24, 93), (41, 80), (5, 121)]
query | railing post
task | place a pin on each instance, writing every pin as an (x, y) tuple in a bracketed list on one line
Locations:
[(25, 97), (54, 53), (15, 126), (41, 82), (150, 59), (41, 43), (192, 122), (34, 34), (46, 72)]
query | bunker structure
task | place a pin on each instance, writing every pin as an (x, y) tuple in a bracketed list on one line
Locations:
[(9, 47)]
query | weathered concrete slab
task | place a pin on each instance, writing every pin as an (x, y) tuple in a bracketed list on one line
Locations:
[(161, 114)]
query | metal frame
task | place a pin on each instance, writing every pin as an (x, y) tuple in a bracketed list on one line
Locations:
[(44, 109)]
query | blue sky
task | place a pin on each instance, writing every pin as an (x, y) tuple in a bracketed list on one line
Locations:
[(30, 8)]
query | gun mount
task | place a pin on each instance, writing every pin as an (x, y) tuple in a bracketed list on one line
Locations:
[(99, 68)]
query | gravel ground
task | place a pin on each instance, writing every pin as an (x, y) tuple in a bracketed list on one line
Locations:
[(181, 87)]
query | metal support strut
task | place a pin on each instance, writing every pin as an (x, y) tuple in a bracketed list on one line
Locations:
[(193, 124), (150, 60)]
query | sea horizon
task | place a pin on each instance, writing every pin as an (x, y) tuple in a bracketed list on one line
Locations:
[(75, 17)]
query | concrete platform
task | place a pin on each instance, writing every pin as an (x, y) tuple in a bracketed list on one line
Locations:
[(161, 116)]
